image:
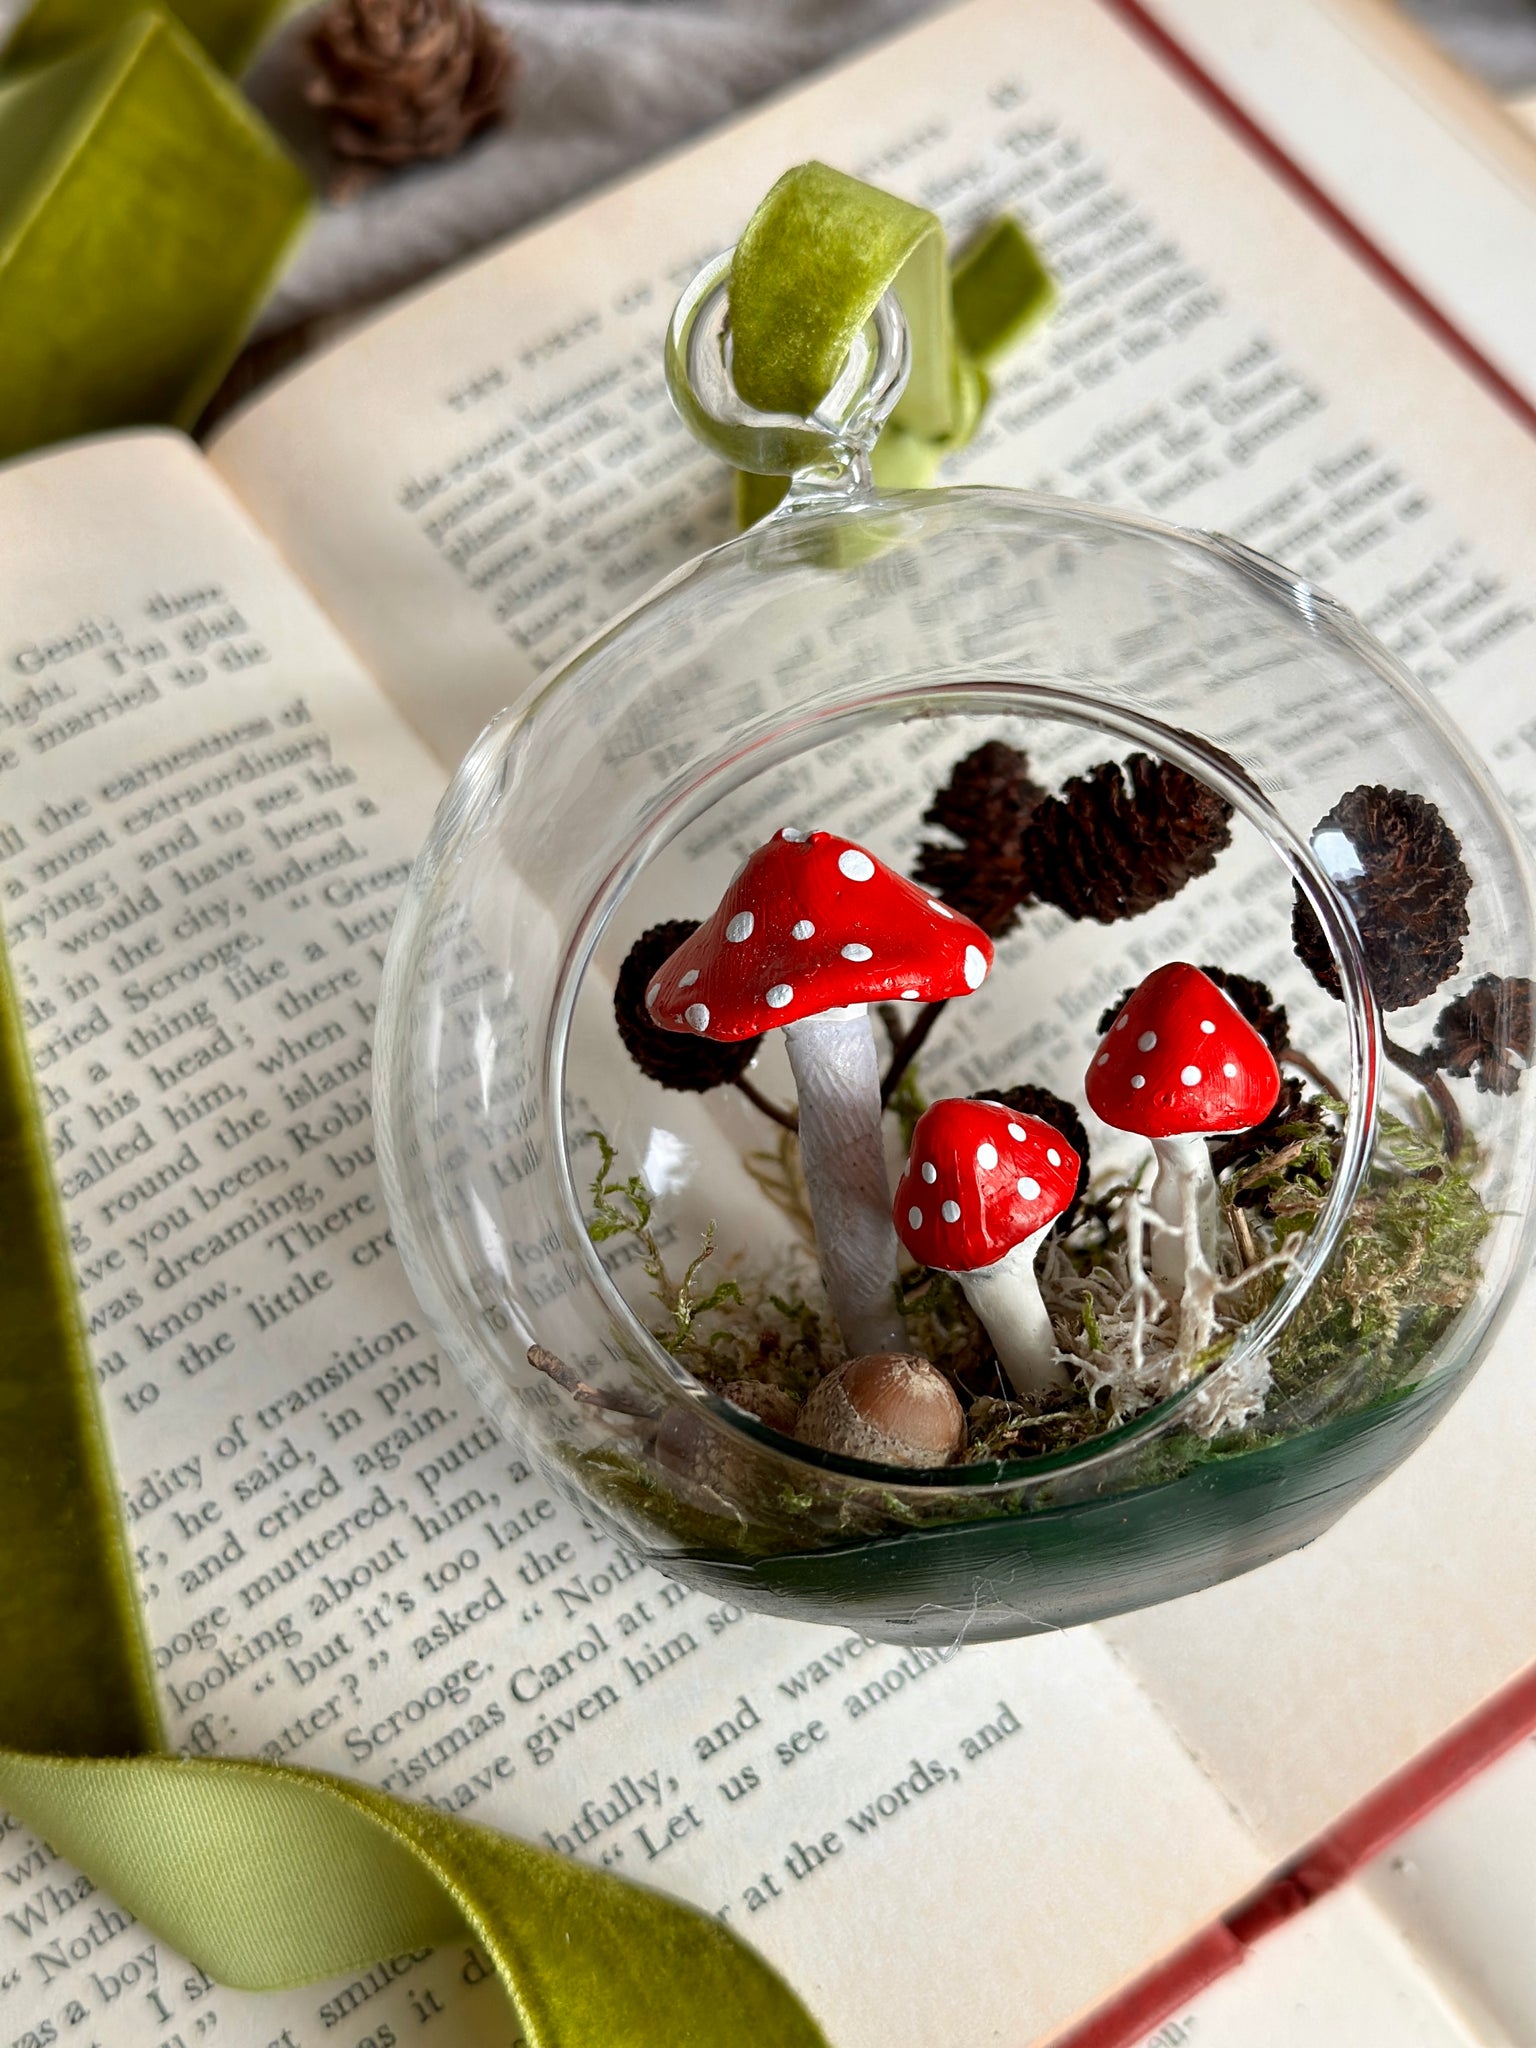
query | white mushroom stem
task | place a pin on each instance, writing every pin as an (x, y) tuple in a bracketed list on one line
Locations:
[(842, 1154), (1006, 1296), (1184, 1197)]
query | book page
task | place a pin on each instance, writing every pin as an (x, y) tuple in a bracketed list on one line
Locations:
[(206, 815), (1417, 151), (1338, 1975), (492, 470), (1459, 1887)]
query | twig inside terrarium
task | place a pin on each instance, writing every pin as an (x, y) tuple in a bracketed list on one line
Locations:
[(786, 1118), (910, 1045), (1425, 1070), (1293, 1056), (618, 1399)]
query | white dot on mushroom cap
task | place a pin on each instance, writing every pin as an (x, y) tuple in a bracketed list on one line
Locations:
[(1230, 1071), (1146, 1041), (915, 1218), (1207, 1026), (653, 992), (942, 909), (909, 995), (792, 833), (1190, 1076), (986, 1155), (1102, 1060), (1016, 1131), (1138, 1080), (778, 995), (975, 967), (857, 952), (740, 927), (689, 978), (1120, 1023), (1053, 1155), (1029, 1189), (698, 1016), (930, 1172), (857, 866), (802, 928), (950, 1212)]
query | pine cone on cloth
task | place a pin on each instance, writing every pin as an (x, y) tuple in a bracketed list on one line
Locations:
[(404, 81)]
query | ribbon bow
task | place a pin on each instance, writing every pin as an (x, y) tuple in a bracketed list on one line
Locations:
[(812, 265)]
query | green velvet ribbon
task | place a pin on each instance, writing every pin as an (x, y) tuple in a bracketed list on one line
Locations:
[(264, 1875), (812, 265)]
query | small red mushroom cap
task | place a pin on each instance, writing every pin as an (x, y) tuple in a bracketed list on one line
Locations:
[(1180, 1060), (812, 922), (979, 1179)]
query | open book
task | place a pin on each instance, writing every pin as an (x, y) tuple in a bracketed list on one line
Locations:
[(232, 689)]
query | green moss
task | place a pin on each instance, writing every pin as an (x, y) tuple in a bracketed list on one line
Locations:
[(1404, 1269)]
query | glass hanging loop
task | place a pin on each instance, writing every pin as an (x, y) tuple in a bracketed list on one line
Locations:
[(828, 449)]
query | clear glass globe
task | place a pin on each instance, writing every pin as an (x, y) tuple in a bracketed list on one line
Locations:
[(827, 669)]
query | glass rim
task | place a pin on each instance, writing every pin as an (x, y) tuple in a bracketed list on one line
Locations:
[(735, 763)]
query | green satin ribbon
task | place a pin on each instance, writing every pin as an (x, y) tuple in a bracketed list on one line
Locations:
[(264, 1875), (812, 265)]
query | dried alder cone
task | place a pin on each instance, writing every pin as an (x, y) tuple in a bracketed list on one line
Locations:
[(1123, 838), (690, 1062), (986, 804), (1488, 1033), (404, 81), (1401, 872)]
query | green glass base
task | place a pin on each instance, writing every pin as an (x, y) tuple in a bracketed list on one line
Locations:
[(1024, 1574)]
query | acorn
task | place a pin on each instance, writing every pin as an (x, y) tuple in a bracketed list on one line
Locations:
[(888, 1408), (775, 1407)]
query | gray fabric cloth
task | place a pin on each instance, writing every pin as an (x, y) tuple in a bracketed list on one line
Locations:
[(1494, 38)]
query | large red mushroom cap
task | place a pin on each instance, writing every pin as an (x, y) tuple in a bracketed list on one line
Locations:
[(1180, 1060), (980, 1179), (812, 923)]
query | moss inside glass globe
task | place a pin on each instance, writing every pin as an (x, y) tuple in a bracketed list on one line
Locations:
[(625, 1269)]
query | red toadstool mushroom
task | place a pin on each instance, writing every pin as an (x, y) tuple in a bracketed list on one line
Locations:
[(810, 931), (1181, 1064), (982, 1186)]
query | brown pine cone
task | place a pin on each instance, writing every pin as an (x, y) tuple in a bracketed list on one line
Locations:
[(404, 81), (1122, 839), (1030, 1100), (1407, 885), (1488, 1033), (1253, 1000), (677, 1059), (986, 804)]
